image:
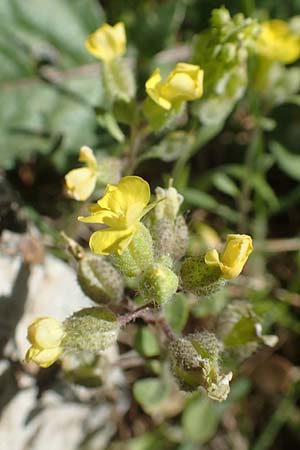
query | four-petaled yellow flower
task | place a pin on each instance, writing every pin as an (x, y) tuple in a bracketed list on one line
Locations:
[(80, 183), (108, 42), (183, 84), (277, 42), (120, 209), (234, 256), (45, 335)]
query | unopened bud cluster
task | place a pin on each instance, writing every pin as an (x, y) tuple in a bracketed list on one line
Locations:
[(222, 51)]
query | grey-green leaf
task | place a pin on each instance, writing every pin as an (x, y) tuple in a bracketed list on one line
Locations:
[(288, 162)]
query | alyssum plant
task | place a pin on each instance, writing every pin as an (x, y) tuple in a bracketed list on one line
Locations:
[(150, 258), (139, 248)]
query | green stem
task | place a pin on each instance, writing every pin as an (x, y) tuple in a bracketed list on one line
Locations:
[(244, 202)]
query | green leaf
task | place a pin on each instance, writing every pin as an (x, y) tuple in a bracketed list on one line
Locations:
[(210, 306), (108, 121), (200, 420), (34, 112), (55, 30), (288, 162), (200, 199), (177, 312), (147, 441), (203, 200), (150, 391), (125, 112), (156, 116), (225, 184), (170, 147), (243, 332), (265, 191), (153, 25), (146, 342)]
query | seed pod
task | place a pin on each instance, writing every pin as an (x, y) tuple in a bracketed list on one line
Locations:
[(158, 283), (170, 238), (138, 255), (199, 278), (99, 280), (90, 330)]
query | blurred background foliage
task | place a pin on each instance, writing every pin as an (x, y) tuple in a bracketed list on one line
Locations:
[(241, 175)]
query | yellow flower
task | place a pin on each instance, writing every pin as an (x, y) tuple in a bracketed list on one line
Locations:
[(234, 256), (107, 42), (120, 209), (45, 335), (277, 42), (80, 183), (183, 84)]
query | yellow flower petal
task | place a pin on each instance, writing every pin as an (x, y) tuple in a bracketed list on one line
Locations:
[(105, 242), (121, 208), (80, 183), (108, 42), (127, 199), (184, 83), (277, 42), (45, 333), (86, 155), (44, 358), (153, 89), (180, 86), (234, 256), (103, 216), (212, 258)]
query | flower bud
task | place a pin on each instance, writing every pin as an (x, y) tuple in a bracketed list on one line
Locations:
[(90, 330), (220, 17), (99, 280), (169, 205), (169, 231), (45, 335), (158, 283), (234, 256), (138, 255), (228, 52), (80, 183), (170, 238), (195, 363), (199, 278), (107, 42), (184, 83)]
